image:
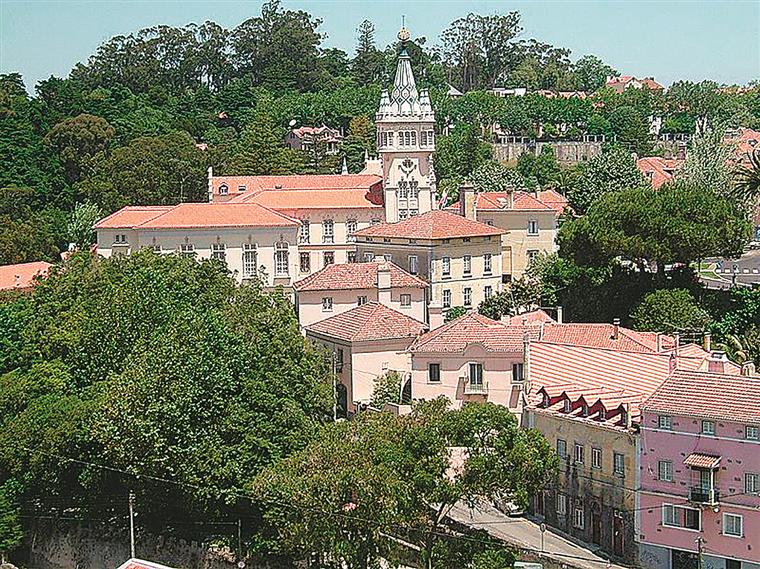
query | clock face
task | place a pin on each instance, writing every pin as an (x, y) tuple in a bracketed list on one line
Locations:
[(403, 34)]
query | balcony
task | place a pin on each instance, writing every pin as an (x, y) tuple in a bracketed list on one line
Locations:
[(700, 495), (475, 388)]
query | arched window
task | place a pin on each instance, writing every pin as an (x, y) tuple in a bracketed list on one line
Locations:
[(281, 258), (249, 260), (223, 189), (413, 134)]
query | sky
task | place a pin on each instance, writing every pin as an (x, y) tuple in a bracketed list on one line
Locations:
[(690, 40)]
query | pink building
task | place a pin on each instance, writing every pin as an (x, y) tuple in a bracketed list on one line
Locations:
[(700, 472), (339, 288)]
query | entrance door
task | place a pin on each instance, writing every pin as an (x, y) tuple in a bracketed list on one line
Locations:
[(683, 559), (618, 534), (596, 524)]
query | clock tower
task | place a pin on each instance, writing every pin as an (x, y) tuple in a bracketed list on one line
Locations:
[(405, 141)]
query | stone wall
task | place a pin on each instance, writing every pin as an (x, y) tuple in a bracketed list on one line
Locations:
[(566, 152)]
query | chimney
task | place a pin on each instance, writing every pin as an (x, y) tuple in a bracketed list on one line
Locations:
[(717, 362), (707, 342), (526, 362), (616, 329), (210, 185), (628, 421), (748, 368), (560, 314), (467, 200), (435, 316), (384, 284), (672, 363)]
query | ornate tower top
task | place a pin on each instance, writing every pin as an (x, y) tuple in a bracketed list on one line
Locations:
[(403, 34)]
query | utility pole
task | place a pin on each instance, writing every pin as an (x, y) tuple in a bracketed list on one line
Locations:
[(700, 552), (132, 524), (240, 540)]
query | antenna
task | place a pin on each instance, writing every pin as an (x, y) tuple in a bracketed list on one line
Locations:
[(403, 21)]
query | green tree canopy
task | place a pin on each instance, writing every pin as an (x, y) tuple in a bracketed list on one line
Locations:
[(669, 311), (76, 140)]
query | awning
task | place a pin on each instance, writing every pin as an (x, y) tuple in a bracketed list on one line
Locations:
[(698, 460)]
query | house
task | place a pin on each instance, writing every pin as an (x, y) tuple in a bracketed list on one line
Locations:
[(459, 258), (745, 141), (658, 170), (339, 288), (472, 358), (587, 402), (699, 504), (251, 239), (529, 224), (366, 342), (304, 137), (135, 563), (623, 82), (22, 277)]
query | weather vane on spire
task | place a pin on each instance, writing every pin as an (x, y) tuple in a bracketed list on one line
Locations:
[(403, 33)]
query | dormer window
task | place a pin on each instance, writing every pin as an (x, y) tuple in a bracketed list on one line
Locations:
[(241, 188), (223, 190), (568, 406)]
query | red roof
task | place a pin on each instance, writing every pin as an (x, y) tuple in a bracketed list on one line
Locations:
[(600, 335), (746, 141), (719, 396), (22, 276), (309, 182), (518, 200), (533, 317), (295, 200), (699, 460), (141, 564), (474, 328), (658, 170), (554, 200), (436, 224), (349, 276), (370, 321), (196, 216)]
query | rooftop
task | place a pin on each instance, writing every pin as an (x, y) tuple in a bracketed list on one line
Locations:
[(518, 200), (436, 224), (602, 335), (370, 321), (196, 216), (22, 276), (311, 182), (709, 395), (658, 170), (141, 564), (351, 276)]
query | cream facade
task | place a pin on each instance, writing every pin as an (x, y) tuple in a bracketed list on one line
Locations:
[(528, 233)]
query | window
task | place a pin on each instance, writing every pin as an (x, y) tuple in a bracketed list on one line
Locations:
[(681, 517), (733, 525), (388, 257), (567, 407), (187, 250), (351, 256), (338, 355), (665, 470), (249, 259), (304, 262), (752, 433), (241, 188), (579, 519), (733, 564), (304, 235), (476, 374), (487, 291), (708, 427), (467, 260), (327, 304), (281, 258), (466, 239), (155, 248), (596, 457), (561, 448), (374, 221), (517, 372), (120, 239), (751, 483), (618, 463), (219, 252), (532, 227), (406, 300), (360, 300), (447, 299), (368, 257), (487, 263), (579, 452), (434, 373), (413, 264), (223, 189), (328, 258), (328, 231), (350, 230), (446, 266), (467, 294), (665, 422), (532, 254), (561, 504)]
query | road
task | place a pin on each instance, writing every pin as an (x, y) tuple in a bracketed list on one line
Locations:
[(746, 270), (527, 535)]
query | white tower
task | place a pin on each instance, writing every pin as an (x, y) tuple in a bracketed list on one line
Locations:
[(405, 141)]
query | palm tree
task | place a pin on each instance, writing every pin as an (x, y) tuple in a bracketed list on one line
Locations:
[(747, 178)]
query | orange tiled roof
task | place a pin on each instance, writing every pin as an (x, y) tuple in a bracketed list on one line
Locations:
[(699, 460), (22, 276), (197, 216), (436, 224), (658, 170), (349, 276), (140, 564), (554, 200), (474, 328), (309, 182), (601, 335), (518, 200), (295, 200), (719, 396), (370, 321), (533, 317)]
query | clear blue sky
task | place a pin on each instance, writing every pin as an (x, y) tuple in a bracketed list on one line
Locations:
[(718, 40)]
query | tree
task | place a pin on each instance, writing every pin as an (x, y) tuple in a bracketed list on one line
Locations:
[(10, 518), (669, 311), (76, 140), (261, 150), (454, 312), (460, 153), (539, 170), (610, 171), (592, 73), (29, 230), (318, 502), (631, 128), (359, 142), (747, 179), (492, 176), (367, 65), (707, 163), (80, 228), (386, 389)]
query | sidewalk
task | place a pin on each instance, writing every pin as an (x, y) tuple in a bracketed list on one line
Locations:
[(527, 535)]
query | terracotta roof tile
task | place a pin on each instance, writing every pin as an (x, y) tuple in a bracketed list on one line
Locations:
[(370, 321), (658, 170), (436, 224), (141, 564), (22, 276), (554, 200), (349, 276), (309, 182), (294, 200), (719, 396), (533, 317), (601, 335), (699, 460), (474, 328), (131, 216)]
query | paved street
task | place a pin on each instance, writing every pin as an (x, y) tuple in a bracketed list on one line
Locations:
[(746, 269), (526, 534)]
